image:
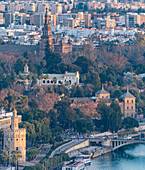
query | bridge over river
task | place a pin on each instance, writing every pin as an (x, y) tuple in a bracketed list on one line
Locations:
[(117, 143), (77, 144)]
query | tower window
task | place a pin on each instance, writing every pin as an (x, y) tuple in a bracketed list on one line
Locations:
[(127, 101)]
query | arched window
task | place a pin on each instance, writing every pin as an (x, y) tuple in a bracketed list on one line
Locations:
[(43, 81), (47, 81)]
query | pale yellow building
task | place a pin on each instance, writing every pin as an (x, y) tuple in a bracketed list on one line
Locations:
[(15, 138), (126, 102), (129, 104), (103, 94)]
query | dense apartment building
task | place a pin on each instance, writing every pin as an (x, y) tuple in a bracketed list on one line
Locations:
[(16, 18), (131, 19)]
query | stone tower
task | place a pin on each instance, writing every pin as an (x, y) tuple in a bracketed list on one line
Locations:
[(15, 138), (128, 104), (46, 35), (26, 69)]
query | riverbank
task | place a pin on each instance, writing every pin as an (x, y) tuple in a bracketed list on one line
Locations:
[(101, 152), (129, 157), (91, 151)]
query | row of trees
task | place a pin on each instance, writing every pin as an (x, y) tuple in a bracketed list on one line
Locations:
[(10, 157), (111, 118), (32, 154)]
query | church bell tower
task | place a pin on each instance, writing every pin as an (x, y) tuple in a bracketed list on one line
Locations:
[(46, 35)]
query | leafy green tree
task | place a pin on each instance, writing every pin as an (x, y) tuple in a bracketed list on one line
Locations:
[(84, 63), (32, 153), (19, 65), (93, 78), (111, 117), (30, 131), (52, 59), (105, 112), (53, 118), (83, 125), (116, 117), (130, 122), (33, 104), (38, 129)]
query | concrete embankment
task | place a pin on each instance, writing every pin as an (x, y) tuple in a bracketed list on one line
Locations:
[(100, 152)]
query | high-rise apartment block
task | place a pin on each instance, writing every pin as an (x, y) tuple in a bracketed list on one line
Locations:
[(132, 19), (56, 8)]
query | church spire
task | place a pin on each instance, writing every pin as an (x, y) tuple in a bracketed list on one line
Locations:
[(102, 86), (47, 17), (127, 89), (47, 28)]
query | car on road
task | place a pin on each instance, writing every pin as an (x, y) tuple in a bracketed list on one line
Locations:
[(137, 139)]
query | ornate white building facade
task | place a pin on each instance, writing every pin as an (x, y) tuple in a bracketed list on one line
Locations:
[(58, 79)]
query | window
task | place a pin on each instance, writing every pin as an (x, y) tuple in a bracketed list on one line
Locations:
[(70, 81), (17, 148), (127, 108), (102, 97), (48, 81), (127, 101), (132, 101), (16, 139), (51, 81), (59, 82), (131, 108), (43, 81)]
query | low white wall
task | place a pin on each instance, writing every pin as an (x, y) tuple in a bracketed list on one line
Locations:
[(78, 146)]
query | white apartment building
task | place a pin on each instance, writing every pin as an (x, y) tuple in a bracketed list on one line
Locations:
[(56, 8)]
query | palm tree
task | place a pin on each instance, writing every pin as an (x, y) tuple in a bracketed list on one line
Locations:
[(8, 155), (16, 155)]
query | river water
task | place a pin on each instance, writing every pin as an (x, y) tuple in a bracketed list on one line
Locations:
[(131, 157)]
